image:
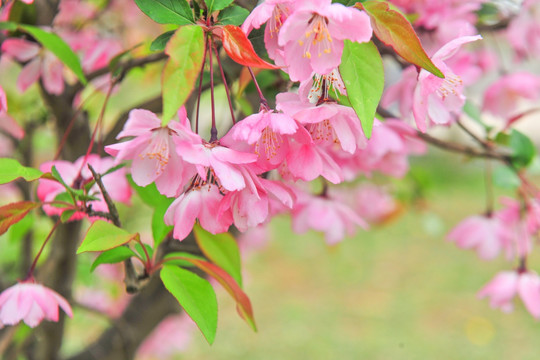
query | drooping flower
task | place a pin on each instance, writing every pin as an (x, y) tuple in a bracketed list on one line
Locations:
[(325, 214), (31, 303), (437, 99), (41, 64), (153, 150), (488, 235), (312, 36), (507, 284)]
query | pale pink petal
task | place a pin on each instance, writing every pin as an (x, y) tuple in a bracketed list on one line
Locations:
[(348, 23), (183, 212), (449, 49), (529, 291), (52, 74), (29, 74), (139, 122), (20, 49)]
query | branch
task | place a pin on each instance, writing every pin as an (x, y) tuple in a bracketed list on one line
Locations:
[(124, 67)]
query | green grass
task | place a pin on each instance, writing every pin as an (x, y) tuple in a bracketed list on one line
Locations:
[(395, 292)]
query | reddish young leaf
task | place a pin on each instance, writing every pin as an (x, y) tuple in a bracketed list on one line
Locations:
[(396, 31), (240, 49), (243, 305), (13, 213)]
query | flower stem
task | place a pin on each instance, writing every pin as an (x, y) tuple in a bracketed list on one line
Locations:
[(264, 103), (200, 87), (34, 263), (227, 91), (213, 130)]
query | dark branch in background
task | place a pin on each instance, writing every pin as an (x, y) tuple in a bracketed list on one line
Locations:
[(123, 66), (487, 153), (131, 279)]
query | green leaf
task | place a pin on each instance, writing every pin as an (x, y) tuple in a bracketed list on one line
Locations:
[(11, 169), (196, 296), (222, 250), (103, 236), (167, 11), (58, 47), (112, 256), (506, 178), (393, 29), (66, 215), (140, 251), (363, 74), (159, 229), (233, 15), (216, 5), (523, 148), (161, 41), (185, 50), (11, 214), (8, 25)]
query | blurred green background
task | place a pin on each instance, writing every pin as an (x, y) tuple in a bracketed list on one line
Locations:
[(398, 291)]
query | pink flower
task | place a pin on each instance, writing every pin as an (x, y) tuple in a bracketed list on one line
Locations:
[(371, 202), (505, 96), (267, 134), (488, 235), (31, 303), (77, 175), (168, 340), (328, 122), (323, 213), (438, 99), (312, 36), (154, 150), (41, 63), (505, 285), (274, 12)]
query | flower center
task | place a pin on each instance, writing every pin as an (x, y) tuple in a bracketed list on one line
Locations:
[(279, 15), (317, 37), (449, 86), (323, 132), (270, 141), (323, 84), (197, 183), (158, 149)]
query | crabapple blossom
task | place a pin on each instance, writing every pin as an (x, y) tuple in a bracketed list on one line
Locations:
[(41, 64), (323, 213), (504, 97), (438, 99), (502, 289), (3, 101), (153, 150), (31, 302), (312, 36), (77, 175), (487, 234)]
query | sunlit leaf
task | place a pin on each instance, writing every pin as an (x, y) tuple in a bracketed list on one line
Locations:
[(161, 41), (523, 149), (185, 50), (13, 213), (233, 15), (167, 11), (196, 296), (103, 236), (221, 249), (363, 74), (11, 169), (393, 29), (216, 5), (240, 49), (113, 256)]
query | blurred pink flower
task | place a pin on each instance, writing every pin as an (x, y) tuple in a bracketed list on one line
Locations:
[(41, 64), (488, 235), (3, 100), (31, 303), (437, 99), (507, 284), (170, 338), (312, 36), (505, 96)]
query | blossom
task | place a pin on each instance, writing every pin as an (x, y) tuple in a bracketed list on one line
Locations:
[(312, 36), (323, 213), (507, 284), (77, 175), (267, 133), (435, 98), (31, 302), (41, 64), (153, 150), (3, 101), (328, 123), (488, 235), (503, 98)]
